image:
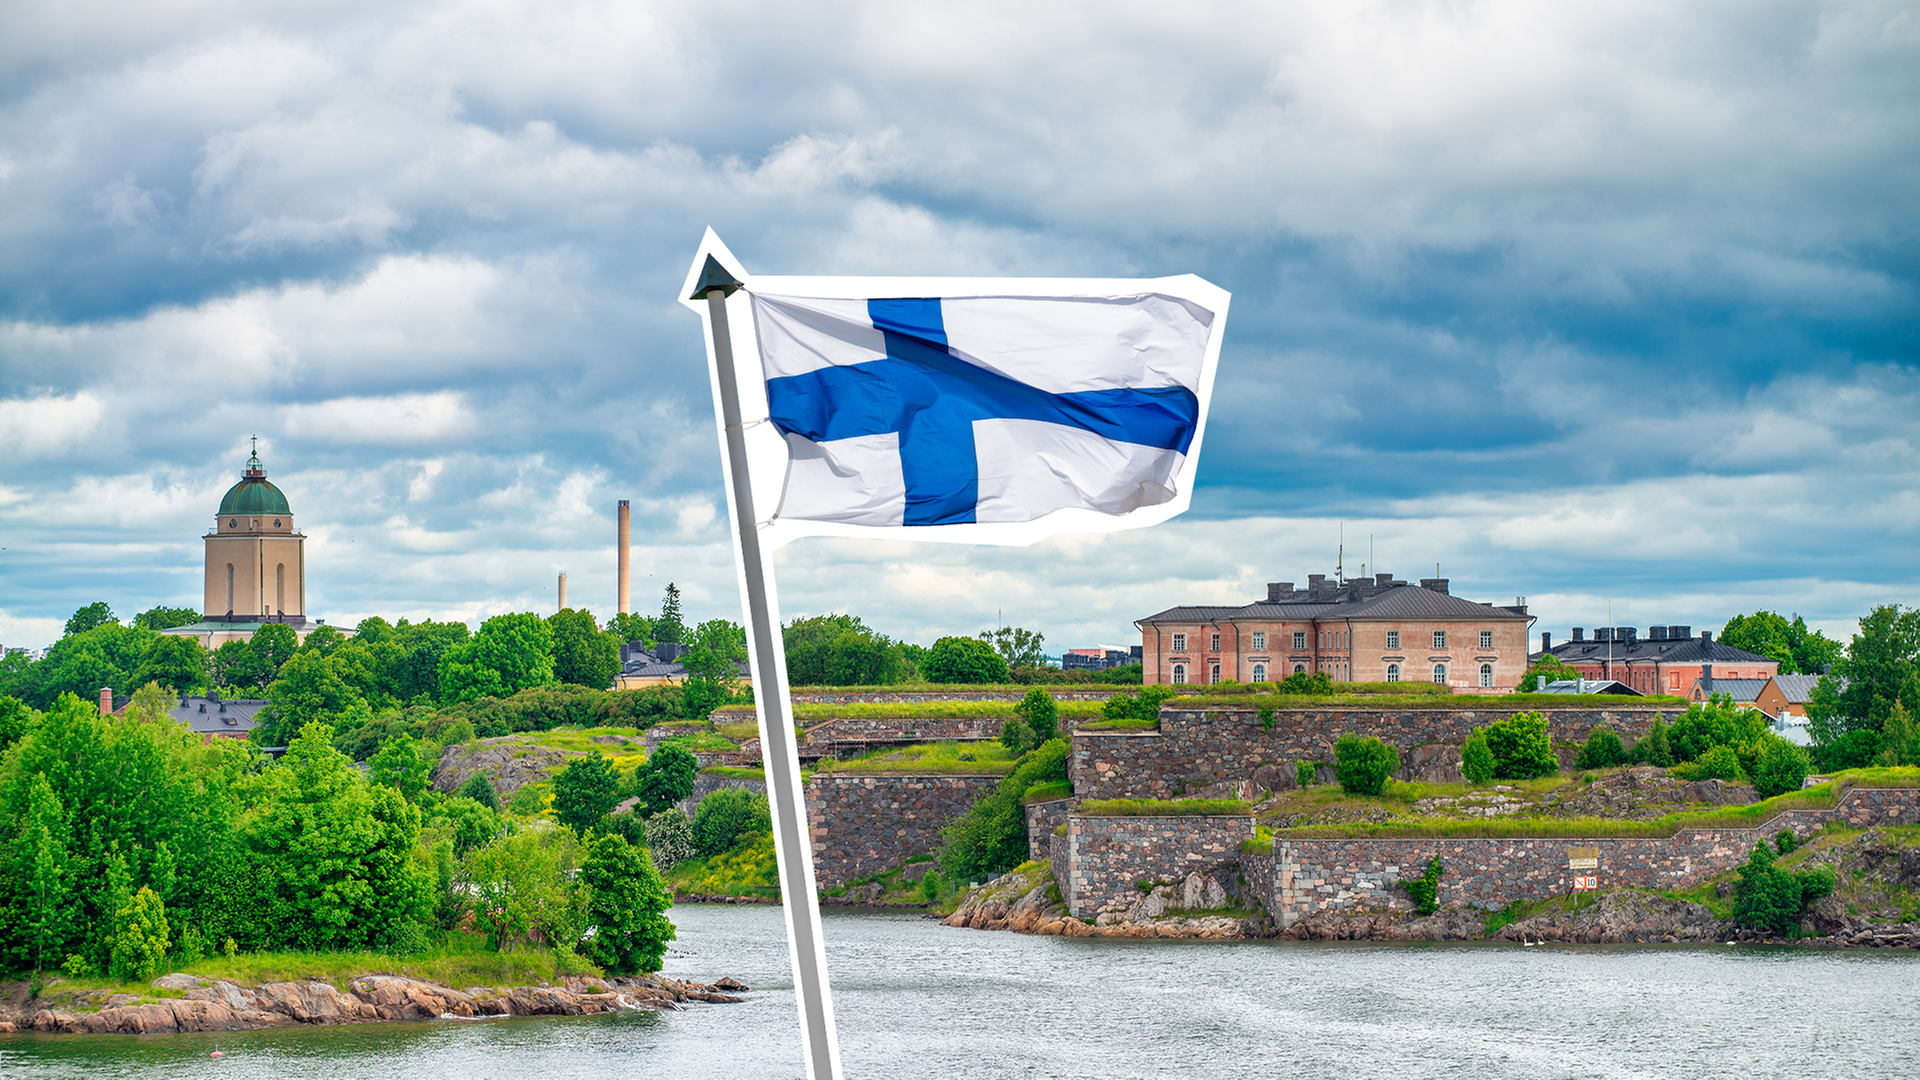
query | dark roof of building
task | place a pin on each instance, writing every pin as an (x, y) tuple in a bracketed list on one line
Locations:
[(638, 662), (211, 715), (1797, 689), (1360, 599), (1738, 689), (1688, 650)]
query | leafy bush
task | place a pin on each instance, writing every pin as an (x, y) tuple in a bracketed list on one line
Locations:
[(585, 790), (727, 815), (665, 779), (1317, 684), (1781, 767), (1142, 706), (991, 838), (140, 937), (1304, 773), (1770, 899), (1717, 763), (1042, 715), (1363, 764), (1520, 747), (1476, 760), (670, 837), (1786, 842), (480, 789), (1654, 749), (1602, 751), (1014, 734), (1425, 889), (1717, 723)]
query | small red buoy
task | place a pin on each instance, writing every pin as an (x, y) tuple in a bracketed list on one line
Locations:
[(217, 1053)]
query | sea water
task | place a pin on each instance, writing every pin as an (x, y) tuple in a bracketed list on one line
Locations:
[(917, 1000)]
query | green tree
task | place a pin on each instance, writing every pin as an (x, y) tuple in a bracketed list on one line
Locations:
[(584, 791), (715, 651), (669, 627), (582, 655), (398, 765), (273, 645), (627, 626), (1476, 760), (323, 639), (1520, 747), (963, 660), (725, 816), (1042, 715), (374, 630), (337, 852), (1719, 722), (15, 721), (1018, 646), (94, 615), (470, 824), (1015, 735), (235, 664), (1769, 634), (1142, 706), (1899, 740), (1781, 767), (140, 937), (991, 837), (627, 907), (670, 837), (511, 653), (308, 691), (1548, 668), (166, 618), (45, 870), (1851, 704), (175, 662), (665, 779), (1363, 764), (480, 789), (1603, 750), (1654, 749), (839, 650), (524, 882), (82, 663), (1771, 899)]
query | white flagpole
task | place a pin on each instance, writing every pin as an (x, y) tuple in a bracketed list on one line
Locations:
[(778, 752)]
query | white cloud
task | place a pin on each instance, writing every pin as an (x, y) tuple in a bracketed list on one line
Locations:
[(46, 426), (360, 421)]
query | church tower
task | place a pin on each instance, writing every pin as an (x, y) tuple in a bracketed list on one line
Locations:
[(256, 562)]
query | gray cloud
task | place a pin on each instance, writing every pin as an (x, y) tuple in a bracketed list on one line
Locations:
[(1599, 301)]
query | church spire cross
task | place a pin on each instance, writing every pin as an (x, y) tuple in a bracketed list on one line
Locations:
[(255, 470)]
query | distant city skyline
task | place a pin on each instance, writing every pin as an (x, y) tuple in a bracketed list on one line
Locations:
[(1603, 304)]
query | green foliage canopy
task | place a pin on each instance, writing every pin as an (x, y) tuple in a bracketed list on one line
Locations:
[(1363, 764), (510, 653), (1520, 747), (584, 791), (1769, 634), (963, 660), (626, 906), (582, 655), (991, 838)]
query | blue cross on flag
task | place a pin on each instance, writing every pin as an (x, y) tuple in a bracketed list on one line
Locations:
[(976, 410)]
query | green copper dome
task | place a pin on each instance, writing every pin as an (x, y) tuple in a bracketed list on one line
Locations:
[(253, 495)]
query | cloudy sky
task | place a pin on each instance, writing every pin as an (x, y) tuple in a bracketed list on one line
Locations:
[(1584, 303)]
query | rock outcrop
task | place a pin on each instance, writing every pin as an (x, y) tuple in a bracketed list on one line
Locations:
[(510, 765), (1196, 907), (219, 1005)]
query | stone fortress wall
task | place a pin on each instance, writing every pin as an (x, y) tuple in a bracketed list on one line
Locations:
[(1195, 748), (866, 825), (1106, 858)]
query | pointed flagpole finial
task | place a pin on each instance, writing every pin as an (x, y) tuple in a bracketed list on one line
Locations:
[(714, 276)]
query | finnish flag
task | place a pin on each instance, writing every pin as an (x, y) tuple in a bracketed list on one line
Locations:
[(995, 410)]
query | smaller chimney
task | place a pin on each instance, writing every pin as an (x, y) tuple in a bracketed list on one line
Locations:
[(1546, 641), (1706, 637), (563, 590), (1579, 633), (1434, 584), (106, 701)]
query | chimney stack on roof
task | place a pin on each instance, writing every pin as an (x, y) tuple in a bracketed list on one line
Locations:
[(106, 701), (1546, 641), (1434, 584), (1579, 633), (625, 543)]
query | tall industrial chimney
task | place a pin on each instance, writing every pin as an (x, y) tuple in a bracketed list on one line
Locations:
[(626, 558), (563, 591)]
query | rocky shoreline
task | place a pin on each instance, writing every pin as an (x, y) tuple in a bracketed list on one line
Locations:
[(206, 1004)]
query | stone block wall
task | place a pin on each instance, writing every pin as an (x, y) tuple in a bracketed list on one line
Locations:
[(877, 730), (705, 785), (1042, 819), (866, 825), (1107, 857), (1060, 692), (1308, 877), (1196, 747)]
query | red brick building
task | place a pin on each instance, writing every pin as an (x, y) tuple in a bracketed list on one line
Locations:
[(1669, 660), (1361, 630)]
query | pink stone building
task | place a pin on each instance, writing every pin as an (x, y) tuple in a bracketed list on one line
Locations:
[(1360, 630)]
